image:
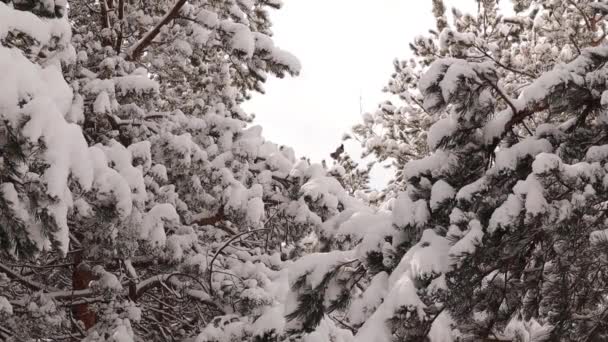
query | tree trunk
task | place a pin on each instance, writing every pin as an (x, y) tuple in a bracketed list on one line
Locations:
[(81, 277)]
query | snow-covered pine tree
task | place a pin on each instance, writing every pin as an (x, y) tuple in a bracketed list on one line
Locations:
[(520, 46), (496, 231), (46, 163), (181, 218)]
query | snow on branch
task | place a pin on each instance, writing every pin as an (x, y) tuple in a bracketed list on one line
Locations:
[(534, 98)]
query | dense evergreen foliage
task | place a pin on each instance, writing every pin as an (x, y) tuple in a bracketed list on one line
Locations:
[(139, 202)]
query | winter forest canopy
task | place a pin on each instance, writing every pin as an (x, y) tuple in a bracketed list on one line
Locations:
[(140, 202)]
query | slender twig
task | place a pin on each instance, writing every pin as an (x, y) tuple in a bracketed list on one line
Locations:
[(583, 14), (501, 94), (137, 50), (222, 248), (504, 66)]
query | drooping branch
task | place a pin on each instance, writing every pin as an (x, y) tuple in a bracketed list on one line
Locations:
[(25, 281), (226, 244), (137, 50)]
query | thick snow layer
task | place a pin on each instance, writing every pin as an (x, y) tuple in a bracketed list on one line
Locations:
[(545, 162), (370, 228), (469, 241), (317, 266), (255, 210), (363, 306), (429, 255), (207, 18), (441, 129), (495, 127), (402, 293), (526, 331), (441, 330), (467, 191), (327, 190), (102, 104), (433, 75), (440, 192), (287, 59), (241, 38), (109, 184), (141, 151), (122, 159), (597, 153), (42, 97), (360, 224), (123, 332), (435, 164), (272, 320), (509, 157), (506, 214), (457, 71), (41, 30), (537, 92), (375, 328), (153, 227), (105, 280), (327, 331), (409, 213), (533, 190), (135, 83)]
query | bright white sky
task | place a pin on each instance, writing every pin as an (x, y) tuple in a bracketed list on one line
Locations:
[(346, 48)]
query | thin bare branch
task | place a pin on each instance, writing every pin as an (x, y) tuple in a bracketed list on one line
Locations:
[(137, 50)]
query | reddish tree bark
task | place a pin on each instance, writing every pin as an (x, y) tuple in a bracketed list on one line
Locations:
[(81, 277)]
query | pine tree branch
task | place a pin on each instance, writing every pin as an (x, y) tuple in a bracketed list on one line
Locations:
[(519, 72), (501, 94), (590, 59), (583, 14), (137, 50), (581, 119), (139, 290), (221, 249), (25, 281), (342, 323), (578, 49), (599, 322), (6, 331), (159, 280), (211, 220), (40, 266)]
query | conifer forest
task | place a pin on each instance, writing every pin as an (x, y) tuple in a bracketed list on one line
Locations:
[(140, 201)]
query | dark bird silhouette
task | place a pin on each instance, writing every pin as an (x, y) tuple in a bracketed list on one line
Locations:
[(336, 154)]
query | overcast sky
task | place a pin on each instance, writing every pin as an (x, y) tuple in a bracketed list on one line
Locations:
[(346, 48)]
